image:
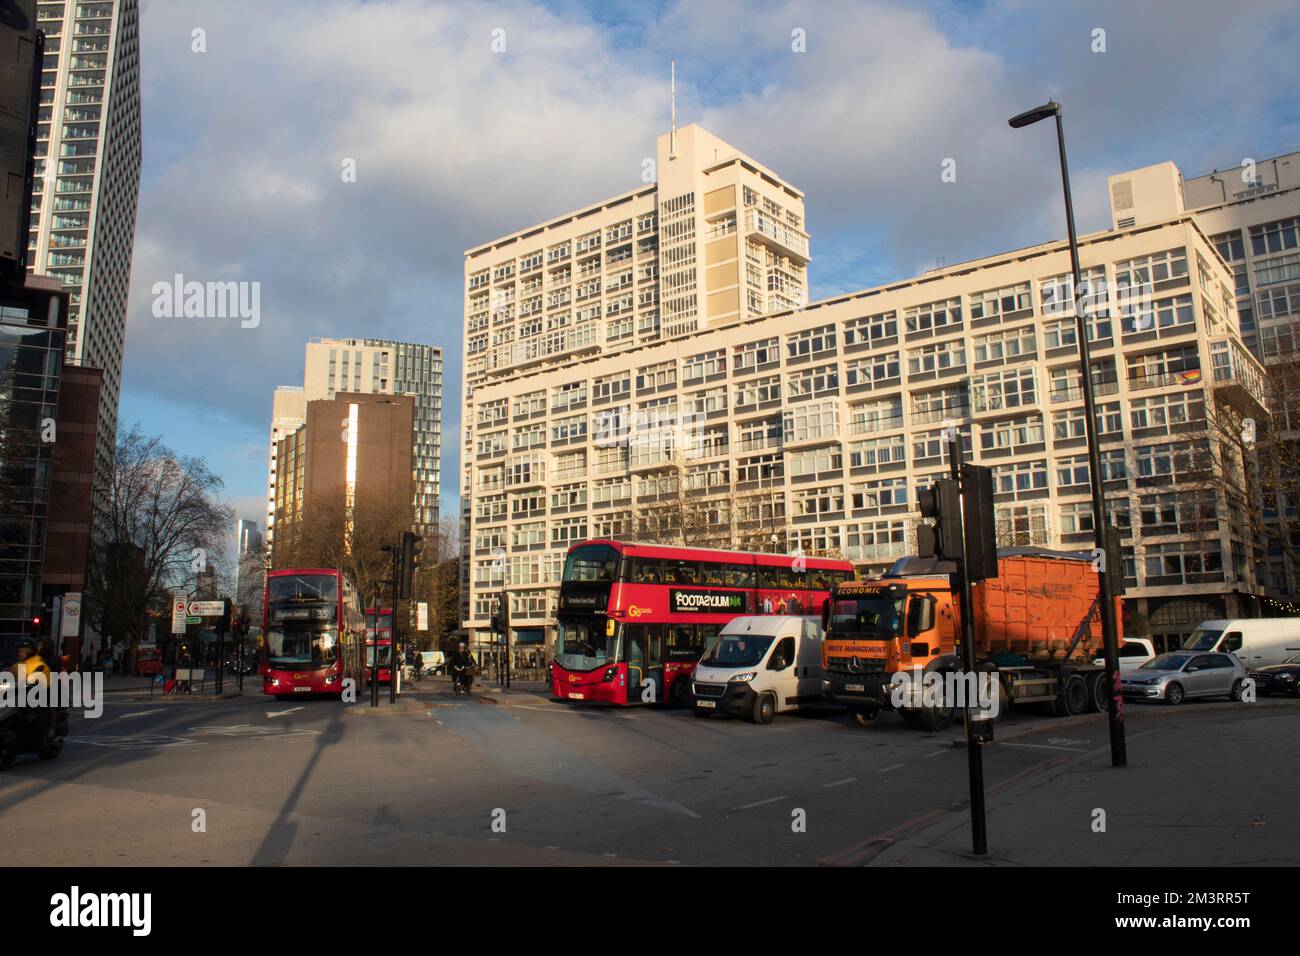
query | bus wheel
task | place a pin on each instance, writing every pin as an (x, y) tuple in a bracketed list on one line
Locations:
[(764, 709)]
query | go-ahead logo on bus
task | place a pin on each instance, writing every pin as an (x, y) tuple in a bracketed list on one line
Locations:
[(688, 600), (634, 611)]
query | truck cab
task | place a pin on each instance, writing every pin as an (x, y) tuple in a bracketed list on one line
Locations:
[(759, 666), (876, 628)]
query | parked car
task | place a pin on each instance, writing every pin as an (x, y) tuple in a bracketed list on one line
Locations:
[(1281, 678), (760, 666), (1178, 676), (1133, 653), (1259, 642)]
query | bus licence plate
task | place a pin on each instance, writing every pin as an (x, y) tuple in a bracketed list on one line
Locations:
[(302, 690), (860, 688), (706, 703), (573, 696)]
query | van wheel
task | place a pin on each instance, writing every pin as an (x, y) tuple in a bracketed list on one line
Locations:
[(680, 695), (1174, 695), (1237, 685), (863, 718), (764, 709)]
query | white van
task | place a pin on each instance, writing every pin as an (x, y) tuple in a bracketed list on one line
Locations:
[(1133, 653), (760, 666), (1257, 642)]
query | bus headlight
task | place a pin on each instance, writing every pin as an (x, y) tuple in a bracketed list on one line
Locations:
[(743, 678), (611, 673), (331, 679)]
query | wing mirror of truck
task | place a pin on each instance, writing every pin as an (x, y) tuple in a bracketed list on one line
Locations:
[(826, 615)]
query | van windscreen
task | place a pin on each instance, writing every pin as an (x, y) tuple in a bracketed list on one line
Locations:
[(1203, 639)]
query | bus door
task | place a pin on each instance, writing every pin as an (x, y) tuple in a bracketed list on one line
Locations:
[(644, 644)]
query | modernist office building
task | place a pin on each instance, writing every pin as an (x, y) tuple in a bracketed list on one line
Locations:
[(673, 258), (369, 367), (817, 425), (1251, 213), (87, 183)]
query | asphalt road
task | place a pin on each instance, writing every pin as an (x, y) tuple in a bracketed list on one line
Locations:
[(443, 781)]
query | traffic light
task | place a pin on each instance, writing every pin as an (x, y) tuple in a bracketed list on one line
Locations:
[(981, 531), (410, 559), (223, 625), (501, 619), (942, 502)]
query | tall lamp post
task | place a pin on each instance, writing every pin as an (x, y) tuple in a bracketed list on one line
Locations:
[(1118, 750)]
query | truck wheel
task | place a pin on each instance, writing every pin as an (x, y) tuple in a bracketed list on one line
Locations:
[(764, 709), (1174, 695), (1073, 699), (1098, 699), (863, 718), (933, 719)]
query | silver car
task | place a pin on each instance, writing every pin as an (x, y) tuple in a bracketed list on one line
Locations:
[(1175, 677)]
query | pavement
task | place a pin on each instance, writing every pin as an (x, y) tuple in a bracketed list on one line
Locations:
[(1189, 795), (513, 778)]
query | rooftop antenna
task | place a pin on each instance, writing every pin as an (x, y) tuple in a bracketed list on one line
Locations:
[(672, 139)]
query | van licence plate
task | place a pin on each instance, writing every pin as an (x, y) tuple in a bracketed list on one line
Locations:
[(860, 688), (575, 697), (706, 703)]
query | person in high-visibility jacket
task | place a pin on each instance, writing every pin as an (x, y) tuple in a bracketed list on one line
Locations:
[(30, 666)]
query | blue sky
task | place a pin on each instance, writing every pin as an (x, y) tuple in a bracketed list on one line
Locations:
[(455, 144)]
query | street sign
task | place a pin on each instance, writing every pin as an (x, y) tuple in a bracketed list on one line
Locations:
[(178, 614), (194, 620), (422, 616), (207, 608), (71, 615)]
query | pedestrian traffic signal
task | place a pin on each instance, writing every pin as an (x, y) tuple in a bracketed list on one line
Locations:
[(1114, 562), (410, 560), (942, 502)]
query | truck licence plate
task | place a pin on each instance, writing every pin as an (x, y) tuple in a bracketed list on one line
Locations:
[(860, 688), (575, 696), (706, 703)]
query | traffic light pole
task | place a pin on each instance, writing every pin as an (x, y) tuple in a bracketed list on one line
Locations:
[(961, 580), (1109, 632), (392, 635)]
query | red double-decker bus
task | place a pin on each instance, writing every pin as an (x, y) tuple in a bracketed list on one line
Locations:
[(313, 630), (379, 638), (631, 613)]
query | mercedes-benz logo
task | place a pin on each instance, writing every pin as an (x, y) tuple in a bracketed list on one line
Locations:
[(855, 665)]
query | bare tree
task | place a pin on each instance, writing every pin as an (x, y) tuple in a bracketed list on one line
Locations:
[(163, 524)]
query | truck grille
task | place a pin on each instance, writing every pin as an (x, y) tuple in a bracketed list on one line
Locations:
[(842, 666), (709, 690)]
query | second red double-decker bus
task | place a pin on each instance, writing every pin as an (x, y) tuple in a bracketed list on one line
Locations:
[(632, 613), (379, 639), (313, 631)]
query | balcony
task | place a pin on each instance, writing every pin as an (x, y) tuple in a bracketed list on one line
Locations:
[(777, 235)]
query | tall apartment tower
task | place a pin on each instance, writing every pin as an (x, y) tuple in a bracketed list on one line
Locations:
[(88, 182), (716, 240), (369, 367)]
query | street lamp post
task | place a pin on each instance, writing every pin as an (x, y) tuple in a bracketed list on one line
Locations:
[(1118, 750)]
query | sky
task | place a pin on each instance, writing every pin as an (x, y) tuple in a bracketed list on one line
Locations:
[(254, 109)]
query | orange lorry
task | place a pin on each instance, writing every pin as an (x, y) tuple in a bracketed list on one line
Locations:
[(1037, 626)]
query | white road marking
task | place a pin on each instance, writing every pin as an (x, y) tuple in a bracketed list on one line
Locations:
[(838, 783), (937, 753), (759, 803), (1077, 750), (889, 768), (282, 713), (143, 713)]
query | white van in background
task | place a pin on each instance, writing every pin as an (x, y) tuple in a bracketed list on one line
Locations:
[(759, 666), (1257, 642), (1133, 653)]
